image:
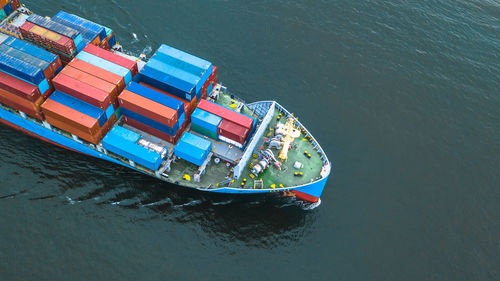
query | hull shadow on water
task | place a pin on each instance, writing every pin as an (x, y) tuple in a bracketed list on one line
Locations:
[(53, 173)]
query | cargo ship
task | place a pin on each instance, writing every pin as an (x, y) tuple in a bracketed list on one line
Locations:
[(67, 81)]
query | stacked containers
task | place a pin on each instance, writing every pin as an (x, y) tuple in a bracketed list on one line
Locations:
[(193, 149), (51, 35), (125, 143), (7, 7), (205, 123), (152, 112), (210, 83), (25, 74), (92, 33), (176, 72), (234, 127)]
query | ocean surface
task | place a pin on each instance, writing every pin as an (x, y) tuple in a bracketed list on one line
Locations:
[(402, 95)]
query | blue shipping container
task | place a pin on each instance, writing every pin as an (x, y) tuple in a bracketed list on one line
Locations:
[(195, 62), (110, 111), (88, 32), (56, 27), (140, 155), (84, 23), (189, 79), (106, 65), (126, 134), (157, 97), (151, 123), (8, 9), (27, 58), (193, 148), (80, 106), (21, 69), (30, 49), (205, 120), (166, 83)]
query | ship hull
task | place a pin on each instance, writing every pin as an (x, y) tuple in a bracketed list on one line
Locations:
[(310, 192)]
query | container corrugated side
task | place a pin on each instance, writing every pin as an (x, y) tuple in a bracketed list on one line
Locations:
[(114, 58), (82, 22), (107, 65), (204, 131), (80, 106), (125, 134), (36, 51), (192, 148), (233, 131), (226, 113), (88, 35), (46, 38), (92, 80), (82, 91), (16, 102), (29, 59), (150, 122), (201, 64), (21, 69), (188, 105), (166, 83), (56, 27), (156, 97), (206, 120), (19, 87), (152, 131), (140, 155), (148, 108), (99, 72)]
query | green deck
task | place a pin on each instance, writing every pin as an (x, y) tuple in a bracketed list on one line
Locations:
[(218, 173)]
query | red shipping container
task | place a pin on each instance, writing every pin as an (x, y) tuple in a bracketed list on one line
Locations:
[(47, 38), (148, 108), (15, 4), (19, 87), (20, 104), (187, 104), (99, 72), (152, 131), (91, 80), (233, 131), (70, 117), (82, 91), (226, 113), (114, 58)]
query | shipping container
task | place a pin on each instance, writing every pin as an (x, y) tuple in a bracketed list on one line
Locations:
[(193, 148), (8, 9), (19, 104), (48, 39), (188, 61), (204, 131), (92, 80), (233, 131), (166, 83), (148, 108), (150, 122), (84, 23), (56, 27), (36, 51), (73, 120), (114, 58), (88, 31), (80, 106), (117, 143), (99, 72), (19, 87), (21, 69), (156, 97), (152, 131), (188, 105), (44, 66), (226, 113), (107, 65), (82, 91), (24, 103), (15, 4), (206, 120)]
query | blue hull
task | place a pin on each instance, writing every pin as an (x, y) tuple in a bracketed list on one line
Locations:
[(309, 192)]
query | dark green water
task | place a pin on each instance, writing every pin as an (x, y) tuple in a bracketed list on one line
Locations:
[(402, 95)]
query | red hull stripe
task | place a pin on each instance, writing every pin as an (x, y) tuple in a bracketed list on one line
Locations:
[(305, 196)]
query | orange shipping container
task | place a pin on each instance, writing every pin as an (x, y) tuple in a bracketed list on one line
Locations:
[(91, 80), (148, 108), (76, 120), (99, 72)]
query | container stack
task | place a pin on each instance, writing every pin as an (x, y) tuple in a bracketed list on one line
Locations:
[(205, 123), (7, 7), (127, 144), (234, 128), (26, 72), (153, 112), (53, 36), (92, 33), (92, 80), (193, 148), (15, 19), (176, 72), (209, 84)]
